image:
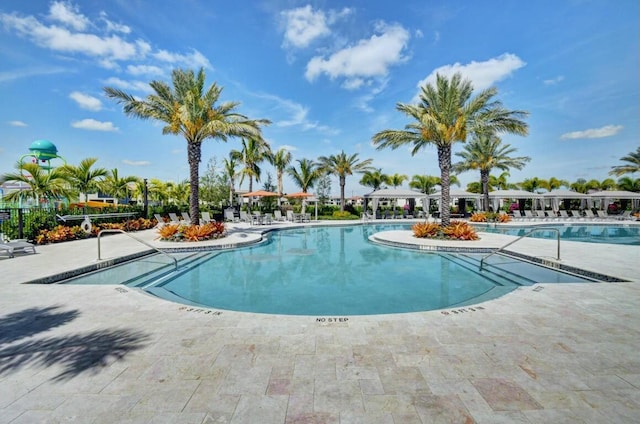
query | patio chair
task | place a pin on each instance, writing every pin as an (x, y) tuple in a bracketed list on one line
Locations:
[(625, 215), (575, 214), (277, 215), (564, 214), (186, 218), (588, 213), (244, 217), (528, 214), (174, 218), (230, 216), (604, 215), (206, 217), (16, 246), (160, 220), (290, 216)]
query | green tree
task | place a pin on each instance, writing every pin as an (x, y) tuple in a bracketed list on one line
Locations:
[(280, 161), (485, 152), (254, 151), (116, 187), (554, 183), (500, 182), (396, 180), (343, 165), (447, 112), (632, 165), (580, 186), (214, 188), (608, 184), (323, 189), (178, 192), (531, 184), (374, 179), (230, 175), (38, 184), (190, 109), (424, 183), (83, 178), (306, 176), (629, 184)]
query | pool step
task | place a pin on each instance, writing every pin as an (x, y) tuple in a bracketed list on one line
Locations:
[(494, 274), (154, 277)]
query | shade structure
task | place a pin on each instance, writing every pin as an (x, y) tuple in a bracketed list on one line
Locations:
[(298, 195), (454, 193), (260, 193), (496, 195), (608, 195), (556, 195), (394, 193)]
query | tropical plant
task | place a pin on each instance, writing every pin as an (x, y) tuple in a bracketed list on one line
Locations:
[(608, 184), (579, 186), (374, 179), (531, 184), (425, 183), (632, 165), (629, 184), (445, 115), (396, 180), (485, 152), (230, 175), (178, 192), (425, 229), (214, 188), (343, 165), (190, 109), (554, 183), (37, 183), (306, 176), (254, 151), (116, 187), (280, 161), (500, 182), (83, 178), (460, 230)]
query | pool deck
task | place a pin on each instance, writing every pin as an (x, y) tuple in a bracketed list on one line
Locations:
[(104, 354)]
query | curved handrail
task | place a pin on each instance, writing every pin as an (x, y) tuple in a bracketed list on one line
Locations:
[(117, 230), (520, 238)]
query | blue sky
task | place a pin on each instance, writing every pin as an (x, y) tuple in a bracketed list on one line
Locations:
[(328, 74)]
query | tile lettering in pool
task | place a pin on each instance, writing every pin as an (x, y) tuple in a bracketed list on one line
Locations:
[(462, 310), (331, 320)]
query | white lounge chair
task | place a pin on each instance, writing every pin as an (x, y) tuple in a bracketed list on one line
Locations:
[(564, 214), (230, 216), (290, 216), (588, 213), (186, 218), (575, 214), (174, 218), (244, 217), (13, 247), (160, 220), (206, 217), (277, 216)]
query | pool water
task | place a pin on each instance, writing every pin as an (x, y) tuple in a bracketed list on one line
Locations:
[(337, 271)]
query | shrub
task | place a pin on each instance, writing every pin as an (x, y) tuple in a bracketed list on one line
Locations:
[(460, 230), (425, 229), (177, 232), (478, 217), (504, 218)]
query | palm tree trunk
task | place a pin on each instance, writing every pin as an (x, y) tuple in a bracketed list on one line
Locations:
[(444, 161), (194, 154), (484, 178), (342, 184), (279, 188)]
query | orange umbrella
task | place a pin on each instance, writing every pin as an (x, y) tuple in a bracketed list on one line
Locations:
[(260, 193), (300, 194)]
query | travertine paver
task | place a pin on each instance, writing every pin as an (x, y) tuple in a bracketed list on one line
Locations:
[(104, 354)]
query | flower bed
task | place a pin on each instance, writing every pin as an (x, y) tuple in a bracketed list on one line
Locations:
[(456, 230), (180, 232), (62, 233)]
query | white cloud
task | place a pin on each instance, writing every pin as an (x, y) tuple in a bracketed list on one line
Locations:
[(85, 101), (554, 81), (112, 26), (144, 70), (136, 162), (93, 125), (193, 60), (368, 58), (288, 147), (606, 131), (303, 25), (17, 124), (128, 85), (69, 15), (481, 74)]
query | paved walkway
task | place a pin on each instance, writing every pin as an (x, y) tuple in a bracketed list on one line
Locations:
[(105, 354)]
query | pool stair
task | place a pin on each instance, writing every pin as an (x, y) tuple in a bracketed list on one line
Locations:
[(160, 275)]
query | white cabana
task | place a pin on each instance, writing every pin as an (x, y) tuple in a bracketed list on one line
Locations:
[(606, 196), (497, 195), (454, 193), (554, 196), (391, 193)]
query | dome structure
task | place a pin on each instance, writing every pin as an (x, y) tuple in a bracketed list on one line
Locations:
[(43, 149)]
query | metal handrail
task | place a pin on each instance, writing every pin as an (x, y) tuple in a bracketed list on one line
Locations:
[(521, 237), (117, 230)]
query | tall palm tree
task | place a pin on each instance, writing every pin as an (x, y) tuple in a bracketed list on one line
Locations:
[(554, 183), (83, 178), (500, 182), (190, 109), (485, 152), (374, 179), (629, 184), (396, 180), (117, 187), (531, 184), (343, 165), (39, 184), (580, 186), (445, 115), (158, 190), (179, 192), (254, 151), (632, 166), (306, 176), (425, 183), (230, 175), (280, 160)]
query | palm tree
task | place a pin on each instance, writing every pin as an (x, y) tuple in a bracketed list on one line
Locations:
[(254, 151), (608, 184), (531, 184), (117, 187), (83, 178), (486, 152), (554, 183), (280, 160), (396, 180), (230, 175), (306, 176), (374, 179), (580, 186), (40, 185), (425, 183), (629, 184), (500, 182), (632, 166), (179, 192), (158, 190), (190, 109), (445, 115), (343, 165)]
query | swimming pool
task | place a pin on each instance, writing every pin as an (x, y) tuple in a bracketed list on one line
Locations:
[(336, 271), (589, 233)]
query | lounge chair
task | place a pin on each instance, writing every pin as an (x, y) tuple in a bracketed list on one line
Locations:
[(604, 215), (244, 217), (230, 216), (625, 215), (186, 218), (160, 220), (564, 214), (277, 215), (529, 215), (576, 214), (290, 216), (19, 246), (588, 213), (517, 216), (206, 217), (174, 218)]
